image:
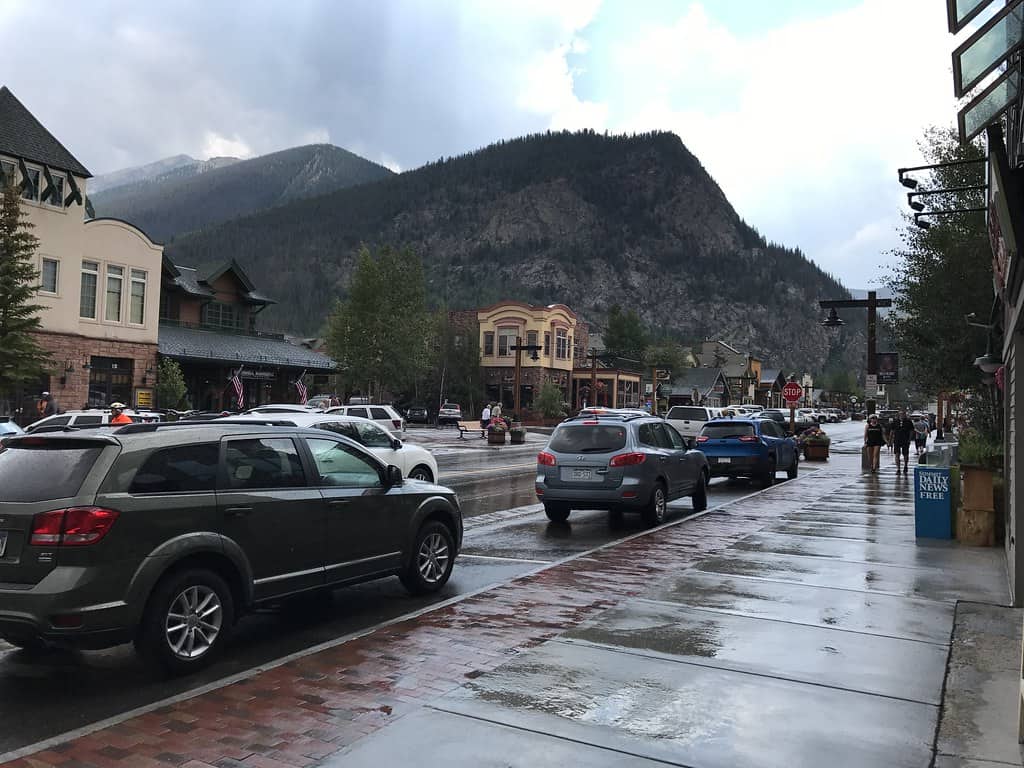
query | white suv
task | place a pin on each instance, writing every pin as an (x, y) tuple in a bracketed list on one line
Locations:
[(384, 415), (689, 419), (91, 418)]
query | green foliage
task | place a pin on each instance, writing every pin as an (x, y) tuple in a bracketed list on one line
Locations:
[(453, 372), (980, 449), (170, 388), (666, 354), (549, 401), (626, 336), (381, 334), (944, 273), (21, 359)]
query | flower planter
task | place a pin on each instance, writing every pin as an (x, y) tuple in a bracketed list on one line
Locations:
[(977, 487), (976, 518), (816, 451), (518, 436), (496, 437)]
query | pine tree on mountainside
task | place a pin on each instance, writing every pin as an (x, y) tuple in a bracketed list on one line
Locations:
[(21, 358)]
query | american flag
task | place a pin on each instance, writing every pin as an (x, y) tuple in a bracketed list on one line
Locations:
[(301, 388), (236, 382)]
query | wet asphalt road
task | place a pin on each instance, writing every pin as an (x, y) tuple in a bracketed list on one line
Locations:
[(46, 694)]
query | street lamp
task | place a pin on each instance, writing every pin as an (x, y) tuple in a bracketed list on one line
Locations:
[(872, 303)]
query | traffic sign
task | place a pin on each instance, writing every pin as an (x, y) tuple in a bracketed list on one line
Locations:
[(792, 392), (870, 385)]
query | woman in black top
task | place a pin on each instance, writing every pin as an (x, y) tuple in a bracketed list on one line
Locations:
[(874, 439)]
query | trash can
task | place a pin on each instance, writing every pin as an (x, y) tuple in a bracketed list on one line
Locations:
[(933, 503)]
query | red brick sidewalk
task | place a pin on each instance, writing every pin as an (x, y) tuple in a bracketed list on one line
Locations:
[(300, 712)]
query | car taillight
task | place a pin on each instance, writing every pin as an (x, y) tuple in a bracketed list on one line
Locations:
[(546, 459), (702, 439), (627, 459), (72, 527), (748, 439), (397, 423)]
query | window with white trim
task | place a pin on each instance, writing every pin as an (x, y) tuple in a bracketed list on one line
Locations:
[(547, 343), (221, 315), (48, 274), (31, 191), (506, 340), (137, 309), (90, 282), (561, 344), (115, 289), (56, 198), (8, 175)]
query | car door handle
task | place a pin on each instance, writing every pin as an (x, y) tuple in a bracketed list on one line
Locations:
[(337, 502), (237, 511)]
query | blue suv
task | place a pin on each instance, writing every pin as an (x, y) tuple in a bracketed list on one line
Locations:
[(754, 448)]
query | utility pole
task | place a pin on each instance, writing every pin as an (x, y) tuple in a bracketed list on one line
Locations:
[(872, 304), (518, 348)]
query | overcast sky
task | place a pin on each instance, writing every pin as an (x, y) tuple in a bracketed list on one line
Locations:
[(801, 109)]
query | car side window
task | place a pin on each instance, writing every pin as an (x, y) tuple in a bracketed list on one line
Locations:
[(340, 465), (183, 469), (361, 412), (263, 463), (88, 421), (379, 413), (339, 427), (647, 436), (674, 438), (57, 421), (372, 436)]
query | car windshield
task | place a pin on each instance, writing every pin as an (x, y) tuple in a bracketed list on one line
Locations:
[(588, 438), (687, 412), (725, 429)]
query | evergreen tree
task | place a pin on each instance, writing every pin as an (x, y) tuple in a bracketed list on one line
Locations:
[(21, 358), (626, 336), (171, 388)]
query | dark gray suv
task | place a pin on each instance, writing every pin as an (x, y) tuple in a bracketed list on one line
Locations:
[(166, 534), (620, 462)]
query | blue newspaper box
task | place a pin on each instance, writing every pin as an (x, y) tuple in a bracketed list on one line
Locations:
[(933, 503)]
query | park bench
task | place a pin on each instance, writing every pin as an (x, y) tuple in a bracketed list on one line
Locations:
[(470, 426)]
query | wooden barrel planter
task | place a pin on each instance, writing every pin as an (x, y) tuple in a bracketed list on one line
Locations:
[(816, 451), (517, 436), (496, 437)]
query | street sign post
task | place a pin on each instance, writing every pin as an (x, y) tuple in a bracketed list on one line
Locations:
[(791, 393)]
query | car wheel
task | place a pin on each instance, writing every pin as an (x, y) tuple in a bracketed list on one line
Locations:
[(557, 513), (187, 621), (431, 561), (421, 472), (768, 478), (700, 494), (794, 468), (654, 512)]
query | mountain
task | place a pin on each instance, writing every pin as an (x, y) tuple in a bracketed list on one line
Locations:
[(579, 218), (193, 196), (138, 173)]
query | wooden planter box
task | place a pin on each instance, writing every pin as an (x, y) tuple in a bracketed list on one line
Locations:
[(977, 487), (976, 519), (816, 452), (517, 436), (495, 437)]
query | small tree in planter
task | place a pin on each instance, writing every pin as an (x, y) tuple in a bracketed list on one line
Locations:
[(549, 401)]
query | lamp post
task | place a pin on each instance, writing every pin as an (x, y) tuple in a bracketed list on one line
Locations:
[(518, 347), (872, 303)]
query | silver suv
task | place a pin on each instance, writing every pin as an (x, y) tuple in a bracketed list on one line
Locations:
[(619, 462)]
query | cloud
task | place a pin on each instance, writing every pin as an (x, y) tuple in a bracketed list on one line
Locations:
[(215, 145)]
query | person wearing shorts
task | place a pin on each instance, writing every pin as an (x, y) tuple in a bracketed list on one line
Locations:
[(902, 433), (921, 430), (874, 439)]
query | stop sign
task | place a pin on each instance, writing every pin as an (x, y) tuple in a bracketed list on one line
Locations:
[(792, 392)]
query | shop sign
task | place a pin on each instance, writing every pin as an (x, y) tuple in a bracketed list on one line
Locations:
[(143, 398)]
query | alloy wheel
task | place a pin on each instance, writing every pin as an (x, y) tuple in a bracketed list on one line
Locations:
[(432, 558), (193, 621)]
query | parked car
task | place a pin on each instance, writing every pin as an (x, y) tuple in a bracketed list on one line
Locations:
[(688, 419), (319, 402), (164, 534), (417, 414), (416, 462), (621, 463), (449, 413), (781, 417), (601, 410), (9, 427), (385, 416), (753, 448), (89, 419)]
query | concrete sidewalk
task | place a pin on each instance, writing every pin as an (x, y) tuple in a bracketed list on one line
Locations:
[(802, 626)]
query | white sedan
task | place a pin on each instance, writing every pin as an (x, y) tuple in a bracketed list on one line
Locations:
[(416, 462)]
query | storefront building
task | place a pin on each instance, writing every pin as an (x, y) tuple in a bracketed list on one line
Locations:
[(208, 324), (99, 278), (769, 388), (700, 386), (741, 371)]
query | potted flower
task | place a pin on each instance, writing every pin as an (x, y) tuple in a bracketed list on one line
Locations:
[(517, 434), (815, 443), (496, 432)]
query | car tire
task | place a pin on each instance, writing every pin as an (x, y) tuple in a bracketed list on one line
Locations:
[(768, 478), (657, 508), (431, 559), (794, 468), (206, 599), (420, 472), (700, 494), (557, 513)]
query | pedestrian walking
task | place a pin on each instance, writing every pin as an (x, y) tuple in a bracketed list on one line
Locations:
[(485, 416), (874, 439), (902, 431), (117, 414), (48, 405), (496, 411), (921, 431)]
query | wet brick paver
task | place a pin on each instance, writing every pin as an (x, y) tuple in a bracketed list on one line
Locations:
[(301, 712)]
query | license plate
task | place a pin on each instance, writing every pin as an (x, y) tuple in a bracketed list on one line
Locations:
[(725, 461), (3, 542), (581, 474)]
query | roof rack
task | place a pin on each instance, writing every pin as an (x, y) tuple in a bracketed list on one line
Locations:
[(135, 429), (608, 415)]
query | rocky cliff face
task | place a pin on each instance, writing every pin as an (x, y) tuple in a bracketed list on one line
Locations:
[(582, 219)]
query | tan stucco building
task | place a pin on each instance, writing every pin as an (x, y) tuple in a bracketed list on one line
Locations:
[(99, 278)]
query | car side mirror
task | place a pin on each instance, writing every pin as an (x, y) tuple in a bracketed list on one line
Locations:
[(690, 443), (396, 443), (394, 476)]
